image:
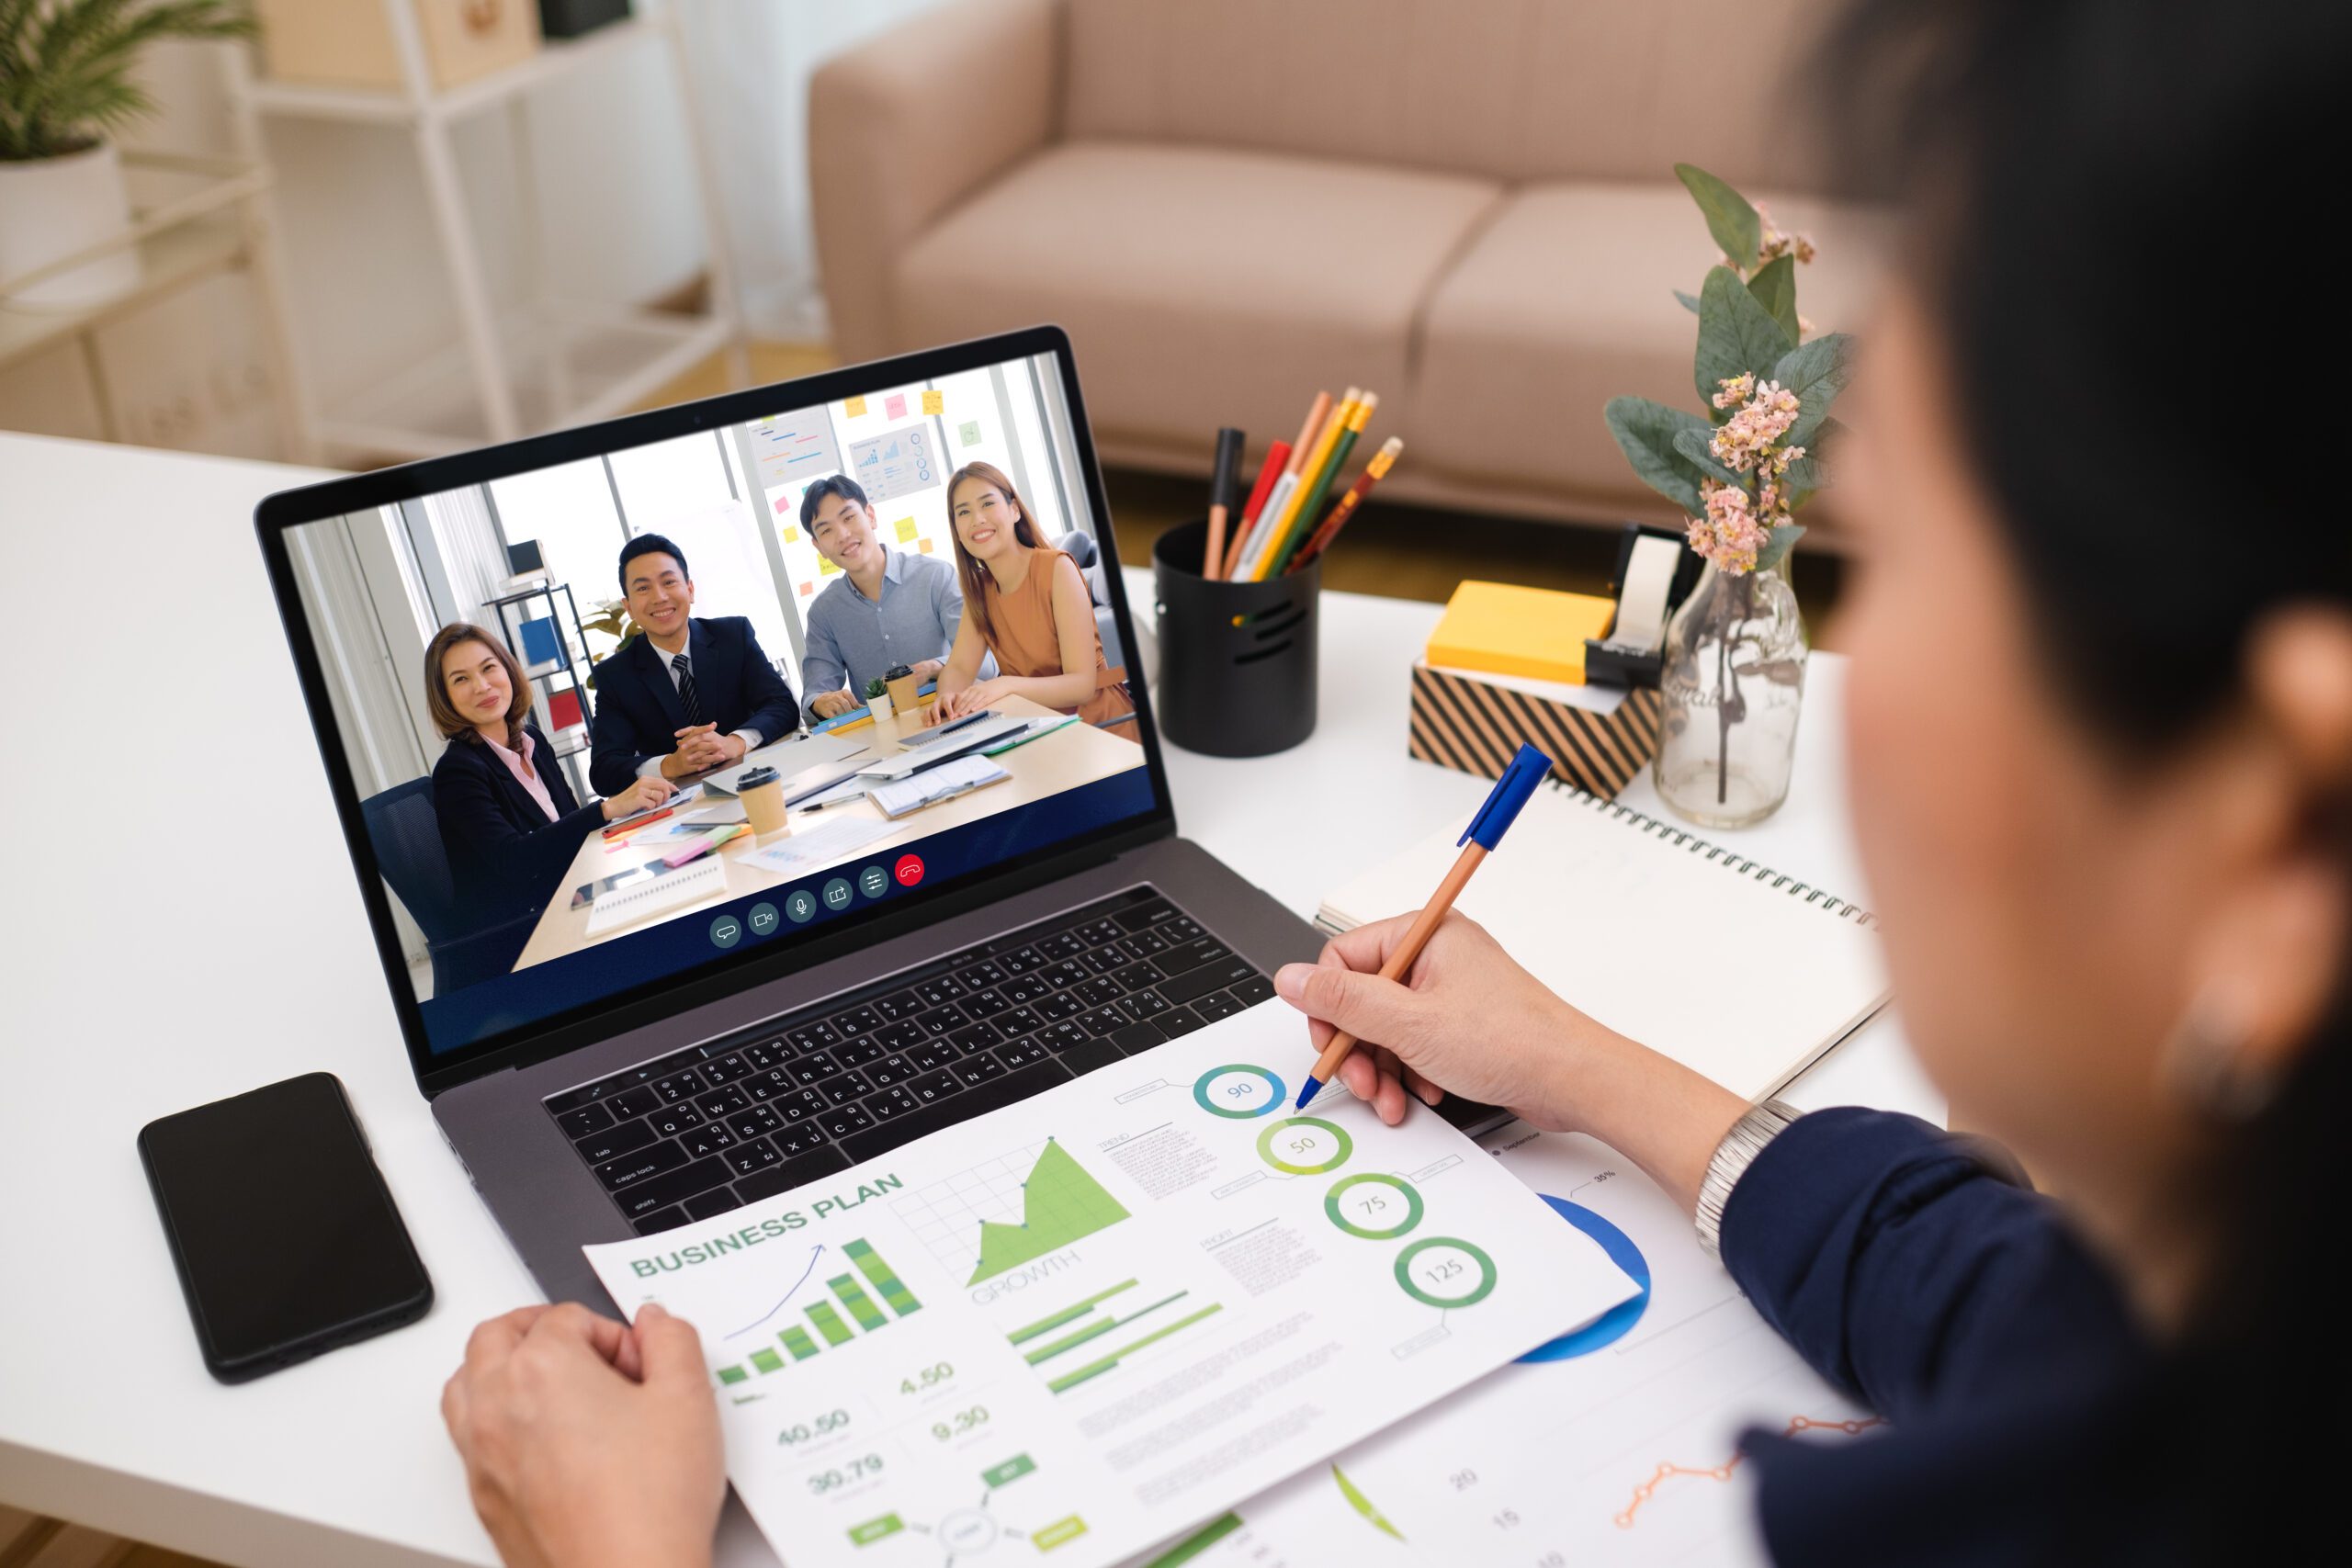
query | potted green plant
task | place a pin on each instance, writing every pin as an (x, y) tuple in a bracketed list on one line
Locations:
[(878, 697), (67, 85), (1731, 671)]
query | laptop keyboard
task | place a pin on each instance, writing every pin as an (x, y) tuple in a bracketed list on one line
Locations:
[(704, 1129)]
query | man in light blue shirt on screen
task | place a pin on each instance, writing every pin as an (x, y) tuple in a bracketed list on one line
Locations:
[(888, 607)]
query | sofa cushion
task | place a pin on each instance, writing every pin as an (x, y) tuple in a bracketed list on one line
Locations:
[(1564, 300), (1200, 287)]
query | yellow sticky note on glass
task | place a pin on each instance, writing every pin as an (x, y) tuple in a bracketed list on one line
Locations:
[(934, 402), (906, 529), (825, 568), (792, 535), (853, 407)]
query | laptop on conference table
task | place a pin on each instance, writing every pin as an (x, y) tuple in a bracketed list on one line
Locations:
[(794, 1015)]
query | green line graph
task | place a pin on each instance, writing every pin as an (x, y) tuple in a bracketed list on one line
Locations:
[(1059, 1205)]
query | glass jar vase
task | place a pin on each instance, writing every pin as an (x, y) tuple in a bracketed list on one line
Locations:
[(1733, 681)]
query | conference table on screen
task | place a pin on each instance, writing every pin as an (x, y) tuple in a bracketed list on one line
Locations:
[(1060, 759)]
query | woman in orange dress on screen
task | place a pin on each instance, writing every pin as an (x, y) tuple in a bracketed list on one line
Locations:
[(1026, 603)]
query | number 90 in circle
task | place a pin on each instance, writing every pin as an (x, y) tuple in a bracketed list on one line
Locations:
[(1240, 1092), (1376, 1205), (1304, 1146), (1441, 1271)]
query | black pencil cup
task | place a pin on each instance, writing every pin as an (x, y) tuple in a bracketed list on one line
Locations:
[(1237, 659)]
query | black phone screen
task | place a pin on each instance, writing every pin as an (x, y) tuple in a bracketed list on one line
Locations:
[(286, 1237)]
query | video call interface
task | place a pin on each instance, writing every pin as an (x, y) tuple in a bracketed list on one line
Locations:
[(618, 719)]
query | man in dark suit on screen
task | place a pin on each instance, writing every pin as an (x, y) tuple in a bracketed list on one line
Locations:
[(688, 696)]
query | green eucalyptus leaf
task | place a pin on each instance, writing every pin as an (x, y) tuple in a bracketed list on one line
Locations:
[(1816, 372), (1692, 443), (1736, 336), (1803, 477), (1775, 288), (1645, 433), (1690, 301), (1776, 548), (1731, 218)]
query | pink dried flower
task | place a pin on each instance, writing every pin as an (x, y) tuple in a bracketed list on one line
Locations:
[(1747, 437), (1778, 244), (1735, 389), (1730, 534)]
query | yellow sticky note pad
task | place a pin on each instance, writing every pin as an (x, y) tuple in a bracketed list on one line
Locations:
[(853, 407), (825, 568), (1501, 629), (792, 535), (934, 402), (906, 526), (924, 546)]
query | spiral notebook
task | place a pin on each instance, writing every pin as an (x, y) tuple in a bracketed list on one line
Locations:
[(1727, 966)]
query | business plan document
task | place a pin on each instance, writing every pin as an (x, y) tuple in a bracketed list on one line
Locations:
[(1087, 1322)]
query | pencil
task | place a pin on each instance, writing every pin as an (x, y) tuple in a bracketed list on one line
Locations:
[(1242, 549), (1261, 554), (1309, 508), (1374, 473), (1228, 457), (1527, 770), (1278, 455)]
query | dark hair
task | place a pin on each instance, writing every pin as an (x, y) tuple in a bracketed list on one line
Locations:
[(967, 565), (652, 544), (2112, 202), (443, 712), (835, 484)]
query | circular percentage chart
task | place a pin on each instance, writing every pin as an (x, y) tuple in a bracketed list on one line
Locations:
[(1376, 1206), (1304, 1146), (1445, 1271), (1240, 1092)]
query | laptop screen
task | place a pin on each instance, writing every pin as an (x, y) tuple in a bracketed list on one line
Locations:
[(646, 702)]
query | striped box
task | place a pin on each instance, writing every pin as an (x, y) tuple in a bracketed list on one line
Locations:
[(1475, 723)]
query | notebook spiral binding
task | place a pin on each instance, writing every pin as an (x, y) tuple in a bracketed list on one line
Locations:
[(1819, 899)]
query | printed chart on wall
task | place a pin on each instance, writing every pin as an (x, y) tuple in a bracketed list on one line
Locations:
[(1615, 1443), (1096, 1320), (887, 442)]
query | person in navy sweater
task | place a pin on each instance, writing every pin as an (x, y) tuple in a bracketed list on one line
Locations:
[(2098, 716), (687, 695), (509, 821)]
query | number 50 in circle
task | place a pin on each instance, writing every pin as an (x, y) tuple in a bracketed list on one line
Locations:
[(1441, 1271), (1304, 1146)]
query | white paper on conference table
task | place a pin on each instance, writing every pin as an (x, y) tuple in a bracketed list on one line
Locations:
[(1120, 1306)]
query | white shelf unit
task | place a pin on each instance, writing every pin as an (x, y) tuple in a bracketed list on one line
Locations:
[(191, 218), (546, 364)]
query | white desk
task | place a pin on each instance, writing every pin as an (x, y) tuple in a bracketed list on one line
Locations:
[(161, 953)]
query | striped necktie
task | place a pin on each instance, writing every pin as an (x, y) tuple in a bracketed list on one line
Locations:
[(688, 698)]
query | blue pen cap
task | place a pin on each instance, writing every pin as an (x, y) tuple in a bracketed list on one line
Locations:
[(1510, 791)]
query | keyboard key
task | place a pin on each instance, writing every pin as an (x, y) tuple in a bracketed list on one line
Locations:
[(857, 1053), (978, 1069), (890, 1070), (1142, 915), (1064, 973), (792, 1173), (934, 1086), (725, 1070), (1060, 1005), (722, 1101), (1255, 990), (897, 1005), (1018, 1021), (1060, 1037), (767, 1054), (587, 1119), (756, 1122), (1021, 1053), (943, 1020), (1062, 946), (1178, 928), (745, 1158), (976, 1037), (672, 1187), (801, 1103), (1190, 955), (1007, 1090), (1216, 1005), (933, 1054), (939, 990), (672, 1120), (1026, 989), (1178, 1020), (640, 1165), (842, 1088), (1103, 1021), (857, 1020), (894, 1101), (631, 1101), (1135, 976), (1143, 1004), (814, 1069), (814, 1036), (1021, 961), (985, 1004), (800, 1138), (1102, 960), (615, 1142), (906, 1031), (1214, 976), (1096, 932), (1099, 991), (1143, 944), (713, 1203), (843, 1119), (1136, 1037), (661, 1220), (706, 1139), (981, 976)]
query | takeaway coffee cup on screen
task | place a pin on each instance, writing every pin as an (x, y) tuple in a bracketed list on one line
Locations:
[(762, 795)]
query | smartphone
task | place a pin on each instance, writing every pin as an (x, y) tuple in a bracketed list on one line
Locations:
[(284, 1236)]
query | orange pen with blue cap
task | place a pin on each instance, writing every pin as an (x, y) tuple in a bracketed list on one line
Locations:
[(1486, 830)]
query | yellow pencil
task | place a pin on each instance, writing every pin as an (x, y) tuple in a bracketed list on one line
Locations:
[(1307, 472)]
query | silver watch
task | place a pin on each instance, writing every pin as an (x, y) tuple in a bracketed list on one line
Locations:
[(1758, 1127)]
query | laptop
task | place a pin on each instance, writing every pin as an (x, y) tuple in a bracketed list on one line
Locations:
[(783, 1016)]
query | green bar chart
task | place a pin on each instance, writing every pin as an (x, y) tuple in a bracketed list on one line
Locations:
[(825, 1317)]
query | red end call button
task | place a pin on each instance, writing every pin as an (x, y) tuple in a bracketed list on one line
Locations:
[(908, 871)]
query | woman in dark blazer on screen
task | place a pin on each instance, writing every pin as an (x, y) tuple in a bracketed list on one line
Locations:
[(509, 821)]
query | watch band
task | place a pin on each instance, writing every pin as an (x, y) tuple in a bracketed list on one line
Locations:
[(1758, 1126)]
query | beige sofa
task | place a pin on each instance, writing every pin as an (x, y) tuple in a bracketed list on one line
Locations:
[(1467, 205)]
